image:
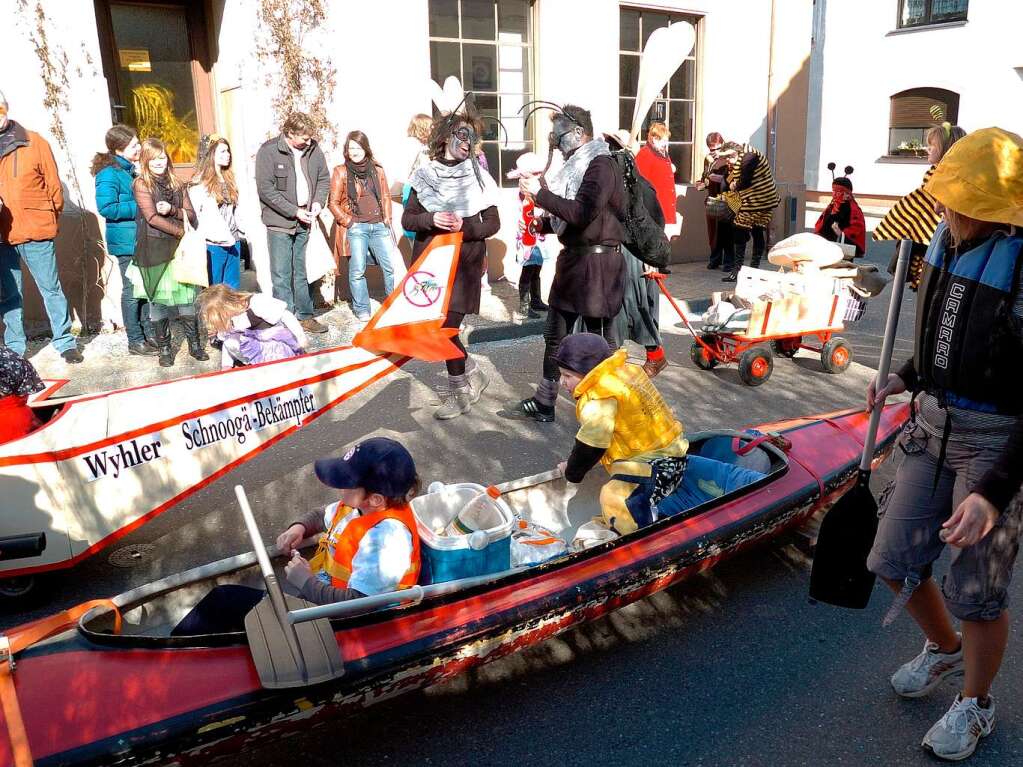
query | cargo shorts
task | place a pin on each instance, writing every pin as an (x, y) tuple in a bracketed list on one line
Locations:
[(912, 510)]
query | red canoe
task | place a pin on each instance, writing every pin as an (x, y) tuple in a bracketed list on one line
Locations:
[(90, 696)]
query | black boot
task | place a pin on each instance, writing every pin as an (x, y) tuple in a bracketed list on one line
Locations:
[(754, 260), (737, 258), (715, 257), (536, 302), (161, 331), (147, 328), (526, 310), (195, 346)]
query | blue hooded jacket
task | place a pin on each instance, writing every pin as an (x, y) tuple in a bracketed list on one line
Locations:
[(116, 203)]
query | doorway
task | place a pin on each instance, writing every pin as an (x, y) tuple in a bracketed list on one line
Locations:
[(156, 61)]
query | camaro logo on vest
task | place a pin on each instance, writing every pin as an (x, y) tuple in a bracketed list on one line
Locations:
[(111, 461), (236, 423), (949, 314)]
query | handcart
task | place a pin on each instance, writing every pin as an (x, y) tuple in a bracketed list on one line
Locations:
[(775, 327)]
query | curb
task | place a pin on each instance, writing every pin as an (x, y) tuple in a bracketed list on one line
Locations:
[(504, 331)]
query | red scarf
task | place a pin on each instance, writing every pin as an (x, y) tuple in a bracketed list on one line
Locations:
[(856, 232)]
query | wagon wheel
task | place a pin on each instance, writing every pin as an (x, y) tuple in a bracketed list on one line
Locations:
[(787, 347), (836, 355), (701, 357), (756, 365)]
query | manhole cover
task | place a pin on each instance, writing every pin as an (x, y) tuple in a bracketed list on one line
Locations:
[(133, 555)]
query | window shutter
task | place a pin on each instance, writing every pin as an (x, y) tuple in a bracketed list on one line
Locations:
[(912, 109)]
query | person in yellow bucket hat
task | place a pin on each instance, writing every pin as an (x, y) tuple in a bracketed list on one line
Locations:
[(959, 480)]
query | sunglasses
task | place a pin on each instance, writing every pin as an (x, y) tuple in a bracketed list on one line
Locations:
[(555, 139), (463, 134)]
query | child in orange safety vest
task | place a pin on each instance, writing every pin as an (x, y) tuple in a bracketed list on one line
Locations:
[(370, 545), (625, 424)]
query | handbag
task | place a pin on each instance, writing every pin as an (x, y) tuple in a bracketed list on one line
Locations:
[(718, 209), (189, 265)]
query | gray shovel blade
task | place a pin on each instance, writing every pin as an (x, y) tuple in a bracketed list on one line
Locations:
[(272, 654)]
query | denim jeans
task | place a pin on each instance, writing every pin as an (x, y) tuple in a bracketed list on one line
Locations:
[(134, 310), (364, 239), (41, 259), (287, 270), (225, 264)]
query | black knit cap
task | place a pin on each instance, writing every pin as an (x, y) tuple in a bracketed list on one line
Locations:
[(582, 352)]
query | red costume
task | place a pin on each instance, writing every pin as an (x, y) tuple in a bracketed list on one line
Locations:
[(656, 169), (845, 211), (18, 379)]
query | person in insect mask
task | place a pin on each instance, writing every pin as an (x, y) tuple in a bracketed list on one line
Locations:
[(451, 192), (583, 202)]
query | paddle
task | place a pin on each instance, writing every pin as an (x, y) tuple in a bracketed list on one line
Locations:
[(285, 655), (839, 575)]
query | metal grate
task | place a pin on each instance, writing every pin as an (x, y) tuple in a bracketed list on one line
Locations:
[(133, 555)]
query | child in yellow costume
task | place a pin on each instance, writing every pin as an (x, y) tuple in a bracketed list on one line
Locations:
[(624, 424)]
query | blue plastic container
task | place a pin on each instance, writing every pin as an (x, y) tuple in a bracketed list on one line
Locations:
[(450, 557)]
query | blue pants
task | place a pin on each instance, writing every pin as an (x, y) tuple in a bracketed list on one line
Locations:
[(134, 310), (41, 259), (287, 270), (225, 264), (364, 239)]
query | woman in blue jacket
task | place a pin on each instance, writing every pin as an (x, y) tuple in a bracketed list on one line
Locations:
[(114, 172)]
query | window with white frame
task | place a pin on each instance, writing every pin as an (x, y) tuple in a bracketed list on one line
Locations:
[(911, 118), (676, 106), (920, 13), (488, 45)]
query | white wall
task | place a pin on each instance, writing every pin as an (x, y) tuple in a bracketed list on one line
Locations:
[(865, 64), (71, 32), (380, 50)]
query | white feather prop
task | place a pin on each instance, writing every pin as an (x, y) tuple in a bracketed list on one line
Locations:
[(436, 95), (449, 98), (664, 53)]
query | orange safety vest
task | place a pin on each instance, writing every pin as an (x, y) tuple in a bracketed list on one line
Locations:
[(346, 546)]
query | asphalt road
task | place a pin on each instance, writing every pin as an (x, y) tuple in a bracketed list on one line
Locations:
[(733, 667)]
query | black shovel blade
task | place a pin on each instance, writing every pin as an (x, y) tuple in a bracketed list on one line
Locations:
[(840, 576)]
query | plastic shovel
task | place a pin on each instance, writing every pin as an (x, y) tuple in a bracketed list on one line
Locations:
[(839, 575)]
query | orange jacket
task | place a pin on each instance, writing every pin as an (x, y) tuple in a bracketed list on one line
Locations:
[(347, 546), (30, 190)]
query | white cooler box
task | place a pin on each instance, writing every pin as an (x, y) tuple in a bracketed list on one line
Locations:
[(447, 557)]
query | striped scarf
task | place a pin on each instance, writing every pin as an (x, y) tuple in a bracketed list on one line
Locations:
[(911, 218), (755, 205), (453, 188)]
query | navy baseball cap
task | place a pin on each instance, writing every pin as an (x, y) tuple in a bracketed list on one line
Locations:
[(377, 465), (582, 352)]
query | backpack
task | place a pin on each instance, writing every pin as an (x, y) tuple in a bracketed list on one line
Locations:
[(642, 217)]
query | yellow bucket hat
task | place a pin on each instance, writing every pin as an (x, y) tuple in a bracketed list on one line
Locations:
[(981, 176)]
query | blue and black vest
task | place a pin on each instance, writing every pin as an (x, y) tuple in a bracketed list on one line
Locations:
[(969, 343)]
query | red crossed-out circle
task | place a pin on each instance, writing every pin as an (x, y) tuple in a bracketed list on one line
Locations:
[(421, 289)]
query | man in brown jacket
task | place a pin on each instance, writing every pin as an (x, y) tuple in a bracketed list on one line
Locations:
[(30, 202)]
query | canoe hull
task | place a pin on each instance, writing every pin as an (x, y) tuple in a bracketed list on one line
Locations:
[(212, 703)]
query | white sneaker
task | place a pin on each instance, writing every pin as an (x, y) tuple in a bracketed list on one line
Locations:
[(478, 382), (955, 736), (455, 403), (926, 671)]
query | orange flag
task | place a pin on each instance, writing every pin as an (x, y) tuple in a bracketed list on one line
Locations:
[(409, 321)]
